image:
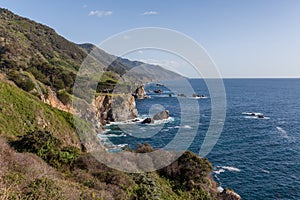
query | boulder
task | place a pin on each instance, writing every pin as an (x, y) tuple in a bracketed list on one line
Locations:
[(181, 95), (148, 120), (162, 115), (228, 194), (158, 91)]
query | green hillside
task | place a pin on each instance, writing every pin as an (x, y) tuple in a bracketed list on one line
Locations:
[(41, 156), (21, 113)]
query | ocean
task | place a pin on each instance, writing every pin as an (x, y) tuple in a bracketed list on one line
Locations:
[(258, 157)]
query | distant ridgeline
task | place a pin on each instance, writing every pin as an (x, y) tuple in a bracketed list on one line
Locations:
[(41, 156)]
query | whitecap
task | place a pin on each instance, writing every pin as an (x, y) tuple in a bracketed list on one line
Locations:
[(232, 169), (255, 117), (219, 171), (187, 127), (163, 121), (282, 131), (265, 171), (131, 121), (115, 135), (198, 97), (252, 113), (104, 136)]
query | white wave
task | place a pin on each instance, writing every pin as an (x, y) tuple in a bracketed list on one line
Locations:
[(187, 127), (131, 121), (198, 97), (219, 171), (102, 136), (106, 131), (162, 95), (252, 113), (220, 189), (163, 121), (115, 135), (282, 131), (232, 169), (255, 117), (121, 145), (265, 171)]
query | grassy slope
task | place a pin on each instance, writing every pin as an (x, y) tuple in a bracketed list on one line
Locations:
[(21, 113)]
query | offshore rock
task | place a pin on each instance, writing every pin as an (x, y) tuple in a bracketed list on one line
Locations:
[(162, 115), (140, 93), (148, 120), (228, 194)]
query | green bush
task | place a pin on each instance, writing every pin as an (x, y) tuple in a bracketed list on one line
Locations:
[(21, 81), (43, 188), (46, 146), (64, 97)]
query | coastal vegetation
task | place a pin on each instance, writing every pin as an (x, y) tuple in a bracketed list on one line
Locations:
[(41, 155)]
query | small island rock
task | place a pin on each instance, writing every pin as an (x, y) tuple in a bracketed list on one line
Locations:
[(140, 93), (162, 115)]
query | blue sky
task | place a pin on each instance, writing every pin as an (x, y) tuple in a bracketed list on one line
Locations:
[(253, 38)]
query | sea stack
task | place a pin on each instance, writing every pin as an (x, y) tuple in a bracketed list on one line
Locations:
[(140, 93)]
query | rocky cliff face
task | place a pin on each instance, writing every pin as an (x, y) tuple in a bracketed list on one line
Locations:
[(111, 108)]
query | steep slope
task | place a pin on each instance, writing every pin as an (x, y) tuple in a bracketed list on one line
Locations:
[(21, 113), (25, 43)]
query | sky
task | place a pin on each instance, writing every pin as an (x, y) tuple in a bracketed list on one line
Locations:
[(249, 38)]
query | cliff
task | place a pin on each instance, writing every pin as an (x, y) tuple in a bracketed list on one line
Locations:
[(113, 108)]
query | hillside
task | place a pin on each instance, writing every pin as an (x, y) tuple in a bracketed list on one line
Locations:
[(41, 156), (53, 60)]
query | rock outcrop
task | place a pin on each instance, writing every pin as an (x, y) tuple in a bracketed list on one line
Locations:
[(159, 116), (162, 115), (111, 108), (140, 93), (228, 194)]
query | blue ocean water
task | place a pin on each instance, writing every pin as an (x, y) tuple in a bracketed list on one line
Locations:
[(258, 157)]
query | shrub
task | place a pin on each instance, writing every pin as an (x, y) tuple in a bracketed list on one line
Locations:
[(43, 188), (46, 146), (64, 97), (21, 81)]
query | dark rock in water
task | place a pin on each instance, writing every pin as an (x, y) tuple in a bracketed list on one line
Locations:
[(159, 116), (198, 96), (158, 91), (252, 114), (228, 194), (261, 116), (162, 115), (140, 93), (148, 121), (159, 84), (181, 95), (170, 95)]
